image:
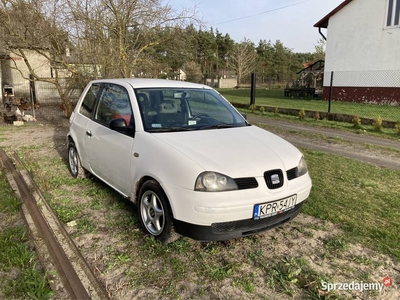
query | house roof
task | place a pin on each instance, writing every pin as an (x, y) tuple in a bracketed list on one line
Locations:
[(323, 23), (316, 67)]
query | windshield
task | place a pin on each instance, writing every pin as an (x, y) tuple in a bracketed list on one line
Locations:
[(165, 109)]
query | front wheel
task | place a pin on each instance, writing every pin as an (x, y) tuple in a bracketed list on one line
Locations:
[(155, 213)]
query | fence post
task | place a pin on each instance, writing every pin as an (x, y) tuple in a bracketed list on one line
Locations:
[(33, 93), (330, 93), (253, 89)]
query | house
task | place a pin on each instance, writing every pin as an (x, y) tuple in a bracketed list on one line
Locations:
[(14, 76), (14, 73), (311, 73), (362, 51)]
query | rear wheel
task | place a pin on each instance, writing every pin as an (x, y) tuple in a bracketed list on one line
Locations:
[(155, 213), (74, 163)]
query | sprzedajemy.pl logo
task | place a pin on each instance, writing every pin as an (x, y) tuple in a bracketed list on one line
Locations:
[(357, 286)]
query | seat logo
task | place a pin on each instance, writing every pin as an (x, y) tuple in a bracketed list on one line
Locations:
[(275, 179)]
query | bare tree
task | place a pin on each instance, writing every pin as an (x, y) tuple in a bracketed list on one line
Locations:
[(117, 33), (106, 38), (25, 30), (243, 59)]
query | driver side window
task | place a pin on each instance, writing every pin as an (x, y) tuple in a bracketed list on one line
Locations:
[(113, 103), (205, 103)]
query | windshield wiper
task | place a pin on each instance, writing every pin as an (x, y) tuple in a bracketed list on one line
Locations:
[(171, 129), (217, 126)]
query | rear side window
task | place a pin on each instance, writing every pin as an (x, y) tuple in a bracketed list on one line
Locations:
[(89, 101)]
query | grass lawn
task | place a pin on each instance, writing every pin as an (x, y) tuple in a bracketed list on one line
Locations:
[(21, 276), (346, 192), (361, 198), (275, 98), (390, 133)]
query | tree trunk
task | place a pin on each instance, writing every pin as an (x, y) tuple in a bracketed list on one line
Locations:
[(66, 106), (238, 79)]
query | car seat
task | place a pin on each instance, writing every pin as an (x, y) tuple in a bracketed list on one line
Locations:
[(169, 115), (149, 114)]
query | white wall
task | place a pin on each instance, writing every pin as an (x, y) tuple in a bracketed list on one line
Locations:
[(39, 63), (358, 40), (19, 81), (228, 83)]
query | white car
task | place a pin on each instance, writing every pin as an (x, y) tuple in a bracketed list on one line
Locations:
[(187, 158)]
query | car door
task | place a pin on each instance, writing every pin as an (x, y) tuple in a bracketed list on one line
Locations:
[(109, 151), (81, 119)]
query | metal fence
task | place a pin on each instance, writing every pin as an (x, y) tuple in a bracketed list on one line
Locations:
[(39, 91), (47, 93), (38, 98), (368, 94)]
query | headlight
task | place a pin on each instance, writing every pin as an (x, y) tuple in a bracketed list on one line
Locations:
[(302, 166), (214, 182)]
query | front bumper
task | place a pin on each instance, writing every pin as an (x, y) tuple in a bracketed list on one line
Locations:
[(207, 208), (234, 229)]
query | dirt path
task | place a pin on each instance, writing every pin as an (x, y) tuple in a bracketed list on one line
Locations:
[(378, 151)]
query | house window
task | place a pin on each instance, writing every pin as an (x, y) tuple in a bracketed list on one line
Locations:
[(393, 15)]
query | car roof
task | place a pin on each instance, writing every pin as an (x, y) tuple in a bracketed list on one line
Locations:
[(151, 83)]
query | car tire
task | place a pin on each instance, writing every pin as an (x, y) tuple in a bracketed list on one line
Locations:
[(74, 163), (155, 213)]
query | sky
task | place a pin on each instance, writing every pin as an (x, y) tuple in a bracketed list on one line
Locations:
[(290, 21)]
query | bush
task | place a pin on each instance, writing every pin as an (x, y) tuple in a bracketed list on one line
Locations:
[(377, 124), (253, 107), (262, 109), (398, 126), (356, 121), (317, 116), (302, 114), (276, 110)]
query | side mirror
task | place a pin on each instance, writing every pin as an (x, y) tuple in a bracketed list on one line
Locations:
[(119, 125)]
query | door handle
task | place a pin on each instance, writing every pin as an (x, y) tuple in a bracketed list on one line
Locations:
[(88, 133)]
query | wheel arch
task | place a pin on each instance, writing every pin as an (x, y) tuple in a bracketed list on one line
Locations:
[(140, 183), (70, 139)]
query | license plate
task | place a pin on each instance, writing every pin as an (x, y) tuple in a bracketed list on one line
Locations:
[(273, 208)]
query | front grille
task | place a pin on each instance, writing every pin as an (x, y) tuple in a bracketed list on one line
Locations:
[(246, 183), (274, 179), (292, 173), (249, 225)]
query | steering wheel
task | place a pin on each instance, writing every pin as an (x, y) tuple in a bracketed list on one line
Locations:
[(201, 115)]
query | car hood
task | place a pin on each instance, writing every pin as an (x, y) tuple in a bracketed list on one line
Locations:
[(237, 152)]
